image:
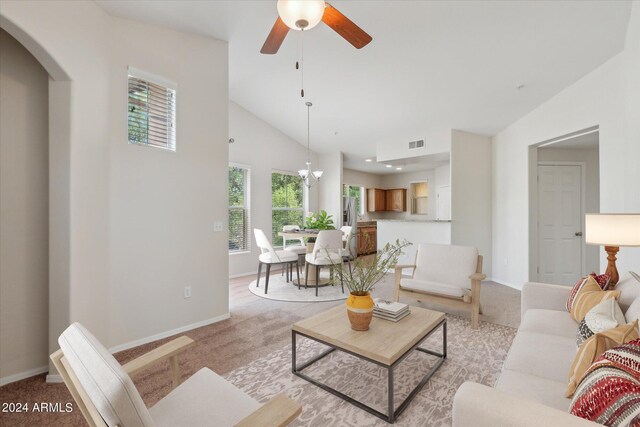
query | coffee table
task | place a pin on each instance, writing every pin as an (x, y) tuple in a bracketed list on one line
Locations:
[(386, 344)]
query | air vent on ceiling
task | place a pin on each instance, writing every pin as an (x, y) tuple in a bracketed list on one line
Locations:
[(416, 144)]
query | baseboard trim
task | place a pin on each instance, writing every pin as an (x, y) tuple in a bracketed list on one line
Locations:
[(161, 335), (22, 375), (502, 282), (53, 379), (250, 273)]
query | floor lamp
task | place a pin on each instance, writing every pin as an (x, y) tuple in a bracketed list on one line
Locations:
[(612, 231)]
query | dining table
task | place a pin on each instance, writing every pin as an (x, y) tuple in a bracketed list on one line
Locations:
[(305, 234)]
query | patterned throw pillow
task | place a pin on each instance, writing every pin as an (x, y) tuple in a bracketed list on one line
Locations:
[(594, 346), (602, 279), (604, 316), (609, 393), (588, 296), (574, 291)]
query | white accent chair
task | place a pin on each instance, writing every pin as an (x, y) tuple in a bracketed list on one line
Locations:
[(327, 252), (270, 256), (348, 236), (106, 396), (299, 248), (444, 274)]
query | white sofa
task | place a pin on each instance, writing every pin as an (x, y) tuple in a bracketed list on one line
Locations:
[(531, 387)]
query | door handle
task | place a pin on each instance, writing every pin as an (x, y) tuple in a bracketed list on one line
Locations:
[(579, 233)]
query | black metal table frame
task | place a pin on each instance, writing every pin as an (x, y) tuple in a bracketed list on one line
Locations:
[(392, 414)]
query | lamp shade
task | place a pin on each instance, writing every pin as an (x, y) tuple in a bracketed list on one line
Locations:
[(301, 14), (613, 229)]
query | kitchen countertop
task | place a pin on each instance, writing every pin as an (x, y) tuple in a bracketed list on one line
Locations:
[(414, 220)]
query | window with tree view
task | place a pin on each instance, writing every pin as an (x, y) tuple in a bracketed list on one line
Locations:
[(238, 209), (287, 203)]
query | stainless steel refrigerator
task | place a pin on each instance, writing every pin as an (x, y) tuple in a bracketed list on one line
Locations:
[(350, 218)]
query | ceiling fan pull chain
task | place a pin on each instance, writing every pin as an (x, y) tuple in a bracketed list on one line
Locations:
[(302, 62)]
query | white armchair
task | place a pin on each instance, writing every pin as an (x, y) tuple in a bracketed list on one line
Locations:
[(444, 274), (106, 395)]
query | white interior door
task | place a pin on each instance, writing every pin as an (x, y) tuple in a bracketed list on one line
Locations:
[(559, 223), (443, 203)]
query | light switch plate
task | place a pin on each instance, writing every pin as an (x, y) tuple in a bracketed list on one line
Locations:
[(218, 226)]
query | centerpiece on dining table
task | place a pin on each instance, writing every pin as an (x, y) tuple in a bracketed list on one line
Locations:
[(365, 273), (317, 222)]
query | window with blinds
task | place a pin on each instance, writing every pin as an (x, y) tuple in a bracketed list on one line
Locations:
[(152, 112), (287, 203), (238, 209)]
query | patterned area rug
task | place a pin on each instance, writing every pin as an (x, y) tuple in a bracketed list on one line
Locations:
[(472, 356), (280, 290)]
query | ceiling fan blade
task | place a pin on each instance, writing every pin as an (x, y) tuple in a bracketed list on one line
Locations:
[(275, 37), (345, 27)]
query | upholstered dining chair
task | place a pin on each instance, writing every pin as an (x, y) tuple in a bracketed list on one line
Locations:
[(327, 252), (270, 256), (444, 274), (299, 248), (106, 395)]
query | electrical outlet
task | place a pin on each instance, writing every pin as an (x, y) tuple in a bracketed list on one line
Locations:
[(187, 291), (218, 226)]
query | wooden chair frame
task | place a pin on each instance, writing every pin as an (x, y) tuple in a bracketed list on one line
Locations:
[(278, 411), (467, 302)]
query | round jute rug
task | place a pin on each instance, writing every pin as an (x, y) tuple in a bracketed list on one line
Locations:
[(280, 290)]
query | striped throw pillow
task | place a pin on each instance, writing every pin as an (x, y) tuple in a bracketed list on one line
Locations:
[(588, 296), (602, 279), (609, 393), (574, 291)]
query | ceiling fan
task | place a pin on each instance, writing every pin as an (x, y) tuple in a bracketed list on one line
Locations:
[(302, 15)]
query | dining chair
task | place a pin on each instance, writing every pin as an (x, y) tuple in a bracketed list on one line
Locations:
[(327, 252), (106, 396), (270, 256), (299, 248), (348, 237)]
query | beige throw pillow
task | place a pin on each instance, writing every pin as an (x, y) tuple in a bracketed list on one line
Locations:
[(589, 295), (595, 346)]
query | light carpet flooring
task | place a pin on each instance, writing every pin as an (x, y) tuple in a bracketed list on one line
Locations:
[(257, 327)]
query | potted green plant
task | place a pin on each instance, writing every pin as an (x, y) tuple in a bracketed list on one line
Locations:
[(365, 273), (320, 221)]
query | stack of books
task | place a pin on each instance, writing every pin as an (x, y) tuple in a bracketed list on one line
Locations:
[(389, 310)]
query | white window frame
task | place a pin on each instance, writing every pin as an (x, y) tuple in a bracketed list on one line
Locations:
[(305, 199), (246, 207), (171, 144)]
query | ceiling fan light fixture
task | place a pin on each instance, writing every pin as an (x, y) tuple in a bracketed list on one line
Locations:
[(301, 14)]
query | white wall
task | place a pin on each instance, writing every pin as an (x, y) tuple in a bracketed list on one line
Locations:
[(24, 211), (590, 158), (330, 186), (141, 220), (264, 149), (607, 97), (471, 193)]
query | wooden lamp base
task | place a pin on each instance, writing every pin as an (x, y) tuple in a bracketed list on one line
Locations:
[(612, 271)]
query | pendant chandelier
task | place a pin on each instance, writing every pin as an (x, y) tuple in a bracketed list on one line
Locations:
[(309, 177)]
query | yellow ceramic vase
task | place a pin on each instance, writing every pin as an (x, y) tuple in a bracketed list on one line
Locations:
[(360, 311)]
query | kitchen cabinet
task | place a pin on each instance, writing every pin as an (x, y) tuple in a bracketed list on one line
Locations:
[(376, 200), (396, 200), (367, 240)]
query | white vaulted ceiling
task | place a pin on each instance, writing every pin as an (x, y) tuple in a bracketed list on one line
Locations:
[(431, 66)]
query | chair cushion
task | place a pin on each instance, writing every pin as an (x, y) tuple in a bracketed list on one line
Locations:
[(107, 384), (282, 256), (449, 264), (526, 386), (297, 249), (205, 399), (326, 258), (588, 296), (593, 347), (432, 287), (551, 322), (604, 316), (542, 355)]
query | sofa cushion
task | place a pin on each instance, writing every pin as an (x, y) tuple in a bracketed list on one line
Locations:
[(432, 287), (542, 390), (450, 264), (604, 316), (629, 289), (204, 399), (593, 347), (531, 354), (551, 322), (633, 313), (588, 296)]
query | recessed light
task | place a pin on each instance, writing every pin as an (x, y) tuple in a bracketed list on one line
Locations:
[(368, 160), (388, 166), (398, 169)]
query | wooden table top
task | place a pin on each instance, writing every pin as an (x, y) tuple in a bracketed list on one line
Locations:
[(384, 342), (299, 233)]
